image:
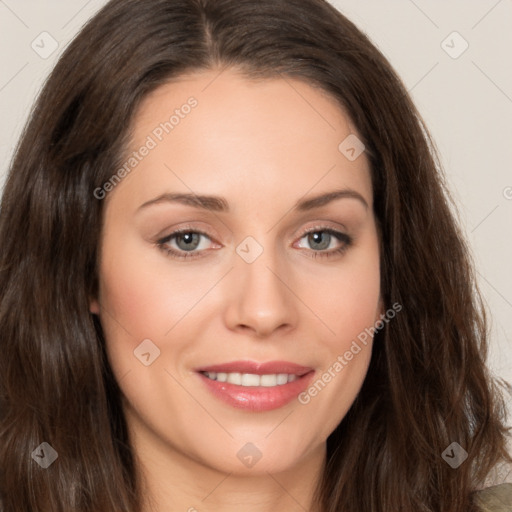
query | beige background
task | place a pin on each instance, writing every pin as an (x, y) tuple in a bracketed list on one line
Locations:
[(466, 101)]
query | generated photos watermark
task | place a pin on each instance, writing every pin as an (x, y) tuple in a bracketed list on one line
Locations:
[(343, 360), (454, 455), (152, 140), (45, 455)]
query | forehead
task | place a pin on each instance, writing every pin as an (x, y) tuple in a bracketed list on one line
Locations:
[(215, 131)]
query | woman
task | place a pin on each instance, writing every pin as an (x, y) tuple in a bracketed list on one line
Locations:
[(231, 278)]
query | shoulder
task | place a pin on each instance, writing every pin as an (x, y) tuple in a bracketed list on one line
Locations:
[(495, 499)]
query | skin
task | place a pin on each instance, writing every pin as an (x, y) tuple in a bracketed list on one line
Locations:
[(262, 145)]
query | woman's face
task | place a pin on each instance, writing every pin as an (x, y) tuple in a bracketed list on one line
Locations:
[(273, 277)]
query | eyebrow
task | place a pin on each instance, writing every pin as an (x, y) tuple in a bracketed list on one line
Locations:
[(219, 204)]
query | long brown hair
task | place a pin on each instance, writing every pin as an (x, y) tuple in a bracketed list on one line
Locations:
[(427, 384)]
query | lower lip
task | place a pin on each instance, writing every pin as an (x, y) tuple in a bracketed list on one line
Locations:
[(258, 398)]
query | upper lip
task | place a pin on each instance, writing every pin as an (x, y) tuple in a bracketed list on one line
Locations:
[(257, 368)]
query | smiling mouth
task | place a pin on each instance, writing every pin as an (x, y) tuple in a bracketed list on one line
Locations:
[(252, 379), (256, 386)]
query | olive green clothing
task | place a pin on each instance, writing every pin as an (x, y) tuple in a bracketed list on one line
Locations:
[(496, 499)]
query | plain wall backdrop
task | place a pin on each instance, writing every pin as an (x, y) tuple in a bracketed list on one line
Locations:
[(454, 58)]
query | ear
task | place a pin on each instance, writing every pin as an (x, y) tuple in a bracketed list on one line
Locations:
[(94, 307)]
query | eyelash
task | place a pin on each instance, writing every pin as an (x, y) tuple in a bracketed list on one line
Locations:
[(341, 237)]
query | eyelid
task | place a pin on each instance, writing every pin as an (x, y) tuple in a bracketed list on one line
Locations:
[(322, 227), (185, 229)]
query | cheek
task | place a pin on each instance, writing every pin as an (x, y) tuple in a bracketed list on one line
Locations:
[(137, 302), (347, 299), (349, 307), (140, 293)]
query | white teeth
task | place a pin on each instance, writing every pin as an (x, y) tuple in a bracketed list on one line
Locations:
[(268, 380), (251, 379), (234, 378), (282, 378)]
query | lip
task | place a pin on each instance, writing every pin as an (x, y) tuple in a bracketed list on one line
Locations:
[(257, 368), (257, 398)]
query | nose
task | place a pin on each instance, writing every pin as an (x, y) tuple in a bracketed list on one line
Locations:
[(260, 297)]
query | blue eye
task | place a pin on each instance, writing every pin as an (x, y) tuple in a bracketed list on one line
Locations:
[(187, 243), (320, 240)]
